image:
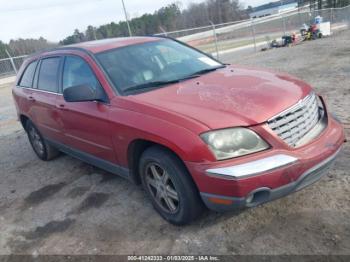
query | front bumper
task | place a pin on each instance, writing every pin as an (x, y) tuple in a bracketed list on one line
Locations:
[(268, 175), (264, 194)]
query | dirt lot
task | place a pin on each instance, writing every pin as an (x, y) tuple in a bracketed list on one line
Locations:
[(68, 207)]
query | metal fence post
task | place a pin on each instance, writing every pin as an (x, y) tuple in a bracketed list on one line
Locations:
[(12, 62), (253, 34), (215, 39), (284, 24), (331, 15)]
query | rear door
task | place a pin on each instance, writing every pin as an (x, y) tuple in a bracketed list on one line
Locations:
[(85, 124), (23, 92), (44, 97)]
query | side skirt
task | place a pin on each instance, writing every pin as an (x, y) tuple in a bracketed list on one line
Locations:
[(90, 159)]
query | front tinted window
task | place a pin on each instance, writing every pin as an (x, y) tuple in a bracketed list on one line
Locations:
[(48, 74), (77, 72), (28, 75), (162, 60)]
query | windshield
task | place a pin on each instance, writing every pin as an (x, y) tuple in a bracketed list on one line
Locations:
[(138, 67)]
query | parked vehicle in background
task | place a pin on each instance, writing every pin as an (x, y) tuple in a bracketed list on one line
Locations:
[(195, 132)]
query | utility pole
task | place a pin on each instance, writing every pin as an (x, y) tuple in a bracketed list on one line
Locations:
[(215, 39), (283, 19), (94, 31), (126, 18), (253, 33)]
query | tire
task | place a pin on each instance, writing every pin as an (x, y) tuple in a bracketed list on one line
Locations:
[(165, 176), (40, 146)]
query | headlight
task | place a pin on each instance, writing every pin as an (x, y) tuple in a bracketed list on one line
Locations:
[(233, 142)]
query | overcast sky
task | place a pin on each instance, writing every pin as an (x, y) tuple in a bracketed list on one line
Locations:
[(56, 19)]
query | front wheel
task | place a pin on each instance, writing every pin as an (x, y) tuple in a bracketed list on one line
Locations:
[(169, 186)]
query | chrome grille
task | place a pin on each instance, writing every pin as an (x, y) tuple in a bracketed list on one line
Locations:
[(294, 123)]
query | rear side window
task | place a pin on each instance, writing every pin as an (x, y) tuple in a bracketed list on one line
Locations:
[(28, 75), (77, 72), (48, 74)]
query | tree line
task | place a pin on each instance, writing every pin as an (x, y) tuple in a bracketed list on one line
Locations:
[(169, 18), (172, 17), (24, 46), (321, 4)]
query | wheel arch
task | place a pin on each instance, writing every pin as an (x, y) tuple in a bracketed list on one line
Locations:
[(134, 153), (23, 119)]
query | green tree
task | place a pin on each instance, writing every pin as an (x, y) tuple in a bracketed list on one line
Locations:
[(75, 38), (90, 33), (169, 18), (3, 47)]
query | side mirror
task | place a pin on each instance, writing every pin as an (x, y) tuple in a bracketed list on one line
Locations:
[(83, 93)]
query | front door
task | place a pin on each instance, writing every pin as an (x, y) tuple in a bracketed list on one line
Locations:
[(85, 124)]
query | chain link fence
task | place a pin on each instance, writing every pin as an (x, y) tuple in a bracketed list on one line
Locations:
[(9, 66), (259, 32), (221, 38)]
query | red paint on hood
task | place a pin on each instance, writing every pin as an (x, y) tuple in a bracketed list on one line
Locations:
[(232, 96)]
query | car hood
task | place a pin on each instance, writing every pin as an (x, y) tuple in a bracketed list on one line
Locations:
[(232, 96)]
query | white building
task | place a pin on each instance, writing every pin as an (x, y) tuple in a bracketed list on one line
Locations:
[(273, 8)]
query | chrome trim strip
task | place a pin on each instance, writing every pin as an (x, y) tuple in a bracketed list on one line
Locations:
[(293, 124), (293, 107), (39, 90), (253, 168), (313, 132)]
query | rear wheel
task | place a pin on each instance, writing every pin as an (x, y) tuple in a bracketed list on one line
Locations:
[(169, 186), (40, 146)]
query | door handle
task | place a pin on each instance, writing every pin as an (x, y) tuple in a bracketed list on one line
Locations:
[(31, 98), (61, 106)]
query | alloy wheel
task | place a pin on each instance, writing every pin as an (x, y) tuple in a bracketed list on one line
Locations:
[(36, 140), (162, 188)]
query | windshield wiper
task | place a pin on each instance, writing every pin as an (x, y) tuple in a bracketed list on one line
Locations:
[(157, 83), (154, 84)]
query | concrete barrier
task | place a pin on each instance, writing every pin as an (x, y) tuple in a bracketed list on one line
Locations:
[(7, 80)]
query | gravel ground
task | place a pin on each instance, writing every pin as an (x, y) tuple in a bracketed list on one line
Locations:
[(69, 207)]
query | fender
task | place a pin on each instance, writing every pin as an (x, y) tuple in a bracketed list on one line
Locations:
[(185, 143)]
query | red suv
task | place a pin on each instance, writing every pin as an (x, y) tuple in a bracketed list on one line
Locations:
[(195, 132)]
